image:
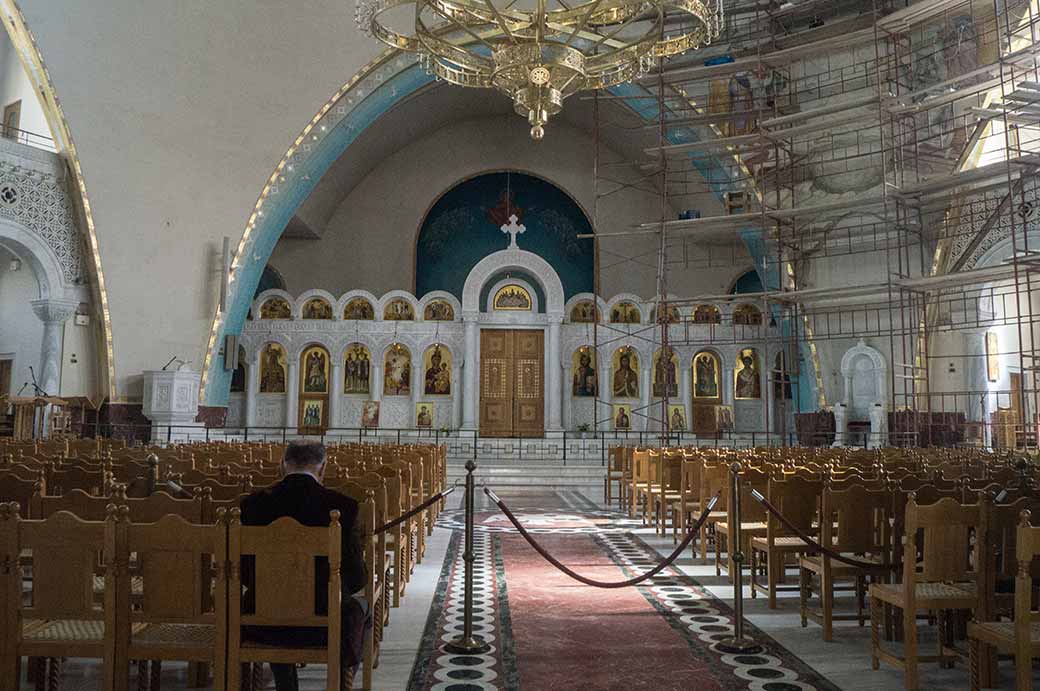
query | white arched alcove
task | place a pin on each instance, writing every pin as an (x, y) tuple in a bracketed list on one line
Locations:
[(863, 373)]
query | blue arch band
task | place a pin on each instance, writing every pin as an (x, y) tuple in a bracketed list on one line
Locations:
[(383, 87)]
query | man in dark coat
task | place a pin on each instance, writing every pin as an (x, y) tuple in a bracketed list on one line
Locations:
[(300, 495)]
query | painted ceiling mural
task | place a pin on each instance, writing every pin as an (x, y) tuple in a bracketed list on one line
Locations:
[(464, 226)]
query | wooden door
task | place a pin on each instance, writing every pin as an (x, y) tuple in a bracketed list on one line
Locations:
[(512, 390)]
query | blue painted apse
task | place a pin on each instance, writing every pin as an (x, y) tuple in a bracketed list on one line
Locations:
[(463, 227)]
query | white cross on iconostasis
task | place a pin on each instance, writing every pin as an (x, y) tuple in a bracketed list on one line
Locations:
[(513, 229)]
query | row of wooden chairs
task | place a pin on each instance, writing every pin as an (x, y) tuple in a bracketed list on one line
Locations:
[(169, 592)]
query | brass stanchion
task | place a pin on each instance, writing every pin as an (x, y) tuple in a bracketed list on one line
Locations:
[(736, 643), (467, 643)]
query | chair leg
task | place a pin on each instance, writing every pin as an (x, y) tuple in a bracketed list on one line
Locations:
[(774, 569), (827, 602), (875, 631), (910, 676), (142, 675), (973, 663), (156, 675), (803, 595)]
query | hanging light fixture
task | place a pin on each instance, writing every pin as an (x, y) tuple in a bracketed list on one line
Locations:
[(539, 55)]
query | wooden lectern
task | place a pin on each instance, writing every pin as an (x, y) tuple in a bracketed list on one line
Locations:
[(27, 425)]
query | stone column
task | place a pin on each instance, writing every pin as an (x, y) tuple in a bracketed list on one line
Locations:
[(375, 379), (644, 396), (53, 313), (553, 378), (456, 396), (336, 393), (567, 414), (604, 412), (686, 390), (292, 394), (252, 388), (471, 370)]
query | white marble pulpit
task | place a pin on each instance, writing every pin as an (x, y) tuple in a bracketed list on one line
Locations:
[(171, 402)]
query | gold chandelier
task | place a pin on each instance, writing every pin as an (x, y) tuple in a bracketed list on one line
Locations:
[(540, 55)]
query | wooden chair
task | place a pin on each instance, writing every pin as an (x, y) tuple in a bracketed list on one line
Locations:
[(181, 610), (394, 538), (667, 492), (285, 552), (615, 475), (61, 617), (714, 479), (15, 489), (797, 498), (640, 478), (1020, 637), (946, 578), (854, 522), (752, 519)]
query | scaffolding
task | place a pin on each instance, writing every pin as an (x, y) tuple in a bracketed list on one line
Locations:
[(838, 135)]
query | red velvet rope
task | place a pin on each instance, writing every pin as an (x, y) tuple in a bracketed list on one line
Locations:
[(602, 584), (421, 507), (816, 546)]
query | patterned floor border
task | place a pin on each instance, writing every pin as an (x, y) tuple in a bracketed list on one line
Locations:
[(704, 620)]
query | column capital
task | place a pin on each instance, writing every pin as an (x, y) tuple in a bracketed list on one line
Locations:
[(54, 310)]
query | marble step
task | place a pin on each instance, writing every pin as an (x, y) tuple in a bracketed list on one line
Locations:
[(531, 474)]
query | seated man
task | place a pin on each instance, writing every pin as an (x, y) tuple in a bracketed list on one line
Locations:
[(300, 495)]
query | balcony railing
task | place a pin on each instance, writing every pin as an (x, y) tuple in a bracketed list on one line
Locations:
[(37, 141)]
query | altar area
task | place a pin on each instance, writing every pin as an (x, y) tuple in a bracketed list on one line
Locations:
[(512, 357)]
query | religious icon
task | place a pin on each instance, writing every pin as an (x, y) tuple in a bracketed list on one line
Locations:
[(723, 417), (316, 308), (705, 375), (626, 376), (747, 384), (512, 297), (583, 362), (315, 370), (666, 373), (397, 371), (669, 315), (622, 416), (275, 308), (370, 414), (707, 314), (359, 308), (677, 418), (272, 369), (398, 310), (439, 311), (992, 356), (424, 415), (437, 368), (584, 312), (357, 370), (624, 313), (312, 412), (747, 315)]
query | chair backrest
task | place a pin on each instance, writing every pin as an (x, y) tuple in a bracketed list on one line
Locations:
[(154, 507), (943, 533), (284, 562), (181, 567), (61, 480), (714, 481), (15, 489), (64, 555), (856, 519), (798, 499), (1004, 521), (751, 511), (1027, 543), (84, 506)]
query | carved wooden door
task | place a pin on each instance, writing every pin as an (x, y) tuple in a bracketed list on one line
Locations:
[(511, 383)]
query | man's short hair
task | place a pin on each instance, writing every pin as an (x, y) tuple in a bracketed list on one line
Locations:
[(304, 454)]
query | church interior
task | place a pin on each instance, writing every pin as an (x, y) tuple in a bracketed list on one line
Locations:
[(646, 344)]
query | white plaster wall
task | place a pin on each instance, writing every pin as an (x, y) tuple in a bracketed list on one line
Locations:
[(180, 111), (21, 332), (370, 239), (15, 86)]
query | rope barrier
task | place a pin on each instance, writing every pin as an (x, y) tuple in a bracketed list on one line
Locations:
[(603, 584), (418, 509), (836, 556)]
